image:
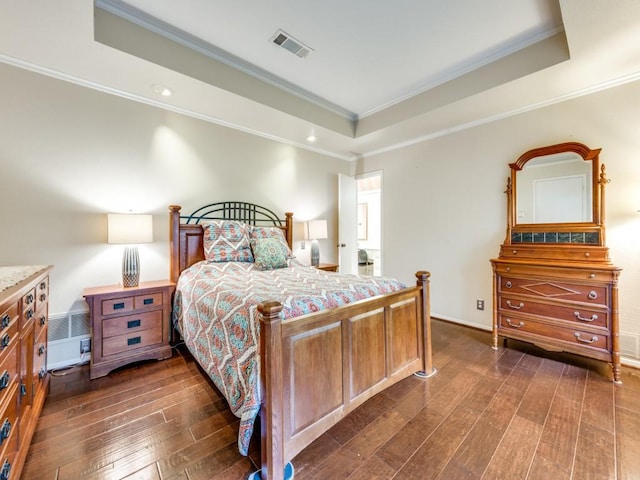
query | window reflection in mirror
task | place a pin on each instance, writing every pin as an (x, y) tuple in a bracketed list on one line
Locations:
[(555, 189)]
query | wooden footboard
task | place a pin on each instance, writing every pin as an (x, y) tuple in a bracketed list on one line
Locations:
[(317, 368)]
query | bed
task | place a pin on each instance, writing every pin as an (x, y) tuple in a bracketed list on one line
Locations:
[(354, 346)]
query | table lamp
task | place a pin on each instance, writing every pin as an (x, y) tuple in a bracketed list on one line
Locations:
[(130, 229), (316, 230)]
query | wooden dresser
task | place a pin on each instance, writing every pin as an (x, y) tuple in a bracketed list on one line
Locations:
[(24, 380), (554, 284), (129, 324)]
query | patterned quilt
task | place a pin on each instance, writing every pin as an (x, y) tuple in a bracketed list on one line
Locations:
[(215, 310)]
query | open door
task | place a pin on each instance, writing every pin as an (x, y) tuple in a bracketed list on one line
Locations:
[(347, 224)]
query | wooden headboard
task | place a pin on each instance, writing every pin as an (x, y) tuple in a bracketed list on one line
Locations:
[(186, 244)]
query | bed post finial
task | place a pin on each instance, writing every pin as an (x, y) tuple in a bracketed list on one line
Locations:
[(425, 314), (289, 225), (272, 408)]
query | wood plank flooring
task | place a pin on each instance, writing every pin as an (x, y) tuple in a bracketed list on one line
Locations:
[(519, 413)]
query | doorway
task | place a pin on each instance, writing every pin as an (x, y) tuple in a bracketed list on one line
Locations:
[(369, 223)]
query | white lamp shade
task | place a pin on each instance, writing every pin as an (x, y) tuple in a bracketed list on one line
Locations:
[(129, 228), (316, 229)]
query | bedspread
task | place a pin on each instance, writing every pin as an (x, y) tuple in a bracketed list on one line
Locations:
[(215, 311)]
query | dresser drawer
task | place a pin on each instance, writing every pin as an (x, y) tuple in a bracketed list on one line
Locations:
[(570, 313), (131, 341), (132, 323), (113, 306), (573, 336), (8, 423), (551, 289), (8, 372), (39, 361), (590, 275), (554, 252), (8, 338), (8, 316), (28, 306)]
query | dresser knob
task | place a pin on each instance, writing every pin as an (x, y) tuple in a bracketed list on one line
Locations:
[(515, 252), (587, 254), (41, 350), (4, 380), (508, 269), (508, 284), (5, 472), (592, 295), (5, 430), (6, 320), (592, 275)]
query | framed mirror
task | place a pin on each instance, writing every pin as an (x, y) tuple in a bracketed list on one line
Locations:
[(555, 196)]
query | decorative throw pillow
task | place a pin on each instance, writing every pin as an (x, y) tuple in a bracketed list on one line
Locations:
[(269, 253), (227, 241), (258, 233)]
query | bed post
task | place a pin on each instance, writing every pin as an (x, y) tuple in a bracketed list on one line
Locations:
[(289, 225), (174, 242), (271, 409), (425, 316)]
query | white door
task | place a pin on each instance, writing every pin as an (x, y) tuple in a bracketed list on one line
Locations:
[(347, 224)]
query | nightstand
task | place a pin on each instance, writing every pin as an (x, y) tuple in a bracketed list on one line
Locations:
[(129, 324), (328, 267)]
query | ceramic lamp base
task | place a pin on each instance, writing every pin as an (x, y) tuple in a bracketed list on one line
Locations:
[(130, 267), (315, 253)]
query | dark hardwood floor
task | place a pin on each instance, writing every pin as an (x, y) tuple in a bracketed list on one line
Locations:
[(519, 413)]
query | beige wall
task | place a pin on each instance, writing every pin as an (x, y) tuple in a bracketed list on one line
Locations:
[(69, 155), (445, 211)]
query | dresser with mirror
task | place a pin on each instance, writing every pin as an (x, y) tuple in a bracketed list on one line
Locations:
[(553, 283)]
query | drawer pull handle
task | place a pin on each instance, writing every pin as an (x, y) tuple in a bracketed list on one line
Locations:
[(133, 323), (519, 325), (592, 275), (147, 301), (5, 431), (43, 321), (41, 350), (593, 318), (23, 389), (133, 341), (43, 297), (4, 380), (592, 295), (29, 298), (29, 314), (43, 285), (5, 472), (118, 306), (6, 320), (508, 284), (515, 252), (508, 269), (515, 307), (42, 373), (5, 341), (584, 340), (587, 254)]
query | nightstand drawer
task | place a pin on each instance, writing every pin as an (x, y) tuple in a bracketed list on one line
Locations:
[(112, 327), (131, 341), (113, 306), (146, 301)]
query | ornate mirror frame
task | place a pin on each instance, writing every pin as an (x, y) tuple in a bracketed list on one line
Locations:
[(566, 234)]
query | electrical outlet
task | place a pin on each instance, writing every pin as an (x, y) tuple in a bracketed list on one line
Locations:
[(85, 345), (480, 304)]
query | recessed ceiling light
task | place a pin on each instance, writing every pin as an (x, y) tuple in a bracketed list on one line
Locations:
[(162, 90), (311, 138)]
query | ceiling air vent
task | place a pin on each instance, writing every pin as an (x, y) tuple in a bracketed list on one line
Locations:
[(286, 41)]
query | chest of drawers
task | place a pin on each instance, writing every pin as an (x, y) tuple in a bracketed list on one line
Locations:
[(560, 306), (24, 380), (129, 324)]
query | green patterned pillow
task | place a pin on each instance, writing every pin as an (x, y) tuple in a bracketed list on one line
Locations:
[(269, 253)]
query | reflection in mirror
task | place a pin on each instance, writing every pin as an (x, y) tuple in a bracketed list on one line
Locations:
[(555, 188)]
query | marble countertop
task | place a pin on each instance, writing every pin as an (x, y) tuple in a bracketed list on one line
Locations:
[(10, 276)]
